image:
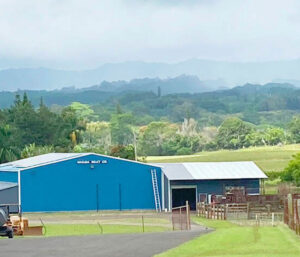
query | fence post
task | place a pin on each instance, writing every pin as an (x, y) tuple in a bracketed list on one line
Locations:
[(273, 218), (143, 224), (248, 211), (207, 211), (180, 221), (187, 215), (173, 223)]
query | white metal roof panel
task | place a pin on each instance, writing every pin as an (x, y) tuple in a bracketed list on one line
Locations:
[(224, 170), (38, 160), (212, 170), (49, 158)]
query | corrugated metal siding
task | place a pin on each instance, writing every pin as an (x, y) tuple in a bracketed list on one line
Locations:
[(69, 186), (9, 176), (217, 186), (9, 196)]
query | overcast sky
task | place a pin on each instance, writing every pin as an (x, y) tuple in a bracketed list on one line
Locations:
[(87, 33)]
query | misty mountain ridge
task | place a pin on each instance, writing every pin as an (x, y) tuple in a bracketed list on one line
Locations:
[(109, 91), (180, 84), (230, 73)]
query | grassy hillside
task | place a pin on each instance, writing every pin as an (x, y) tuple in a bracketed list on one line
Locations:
[(269, 158)]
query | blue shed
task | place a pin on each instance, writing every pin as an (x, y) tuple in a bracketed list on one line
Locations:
[(83, 181), (89, 181)]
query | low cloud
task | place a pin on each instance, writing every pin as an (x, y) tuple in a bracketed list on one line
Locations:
[(88, 33)]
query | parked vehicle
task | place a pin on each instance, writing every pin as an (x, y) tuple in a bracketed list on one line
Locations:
[(5, 229)]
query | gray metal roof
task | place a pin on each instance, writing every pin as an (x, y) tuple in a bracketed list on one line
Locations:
[(6, 185), (211, 170)]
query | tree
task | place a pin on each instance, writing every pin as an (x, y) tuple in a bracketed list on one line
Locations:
[(256, 138), (83, 111), (274, 136), (70, 127), (155, 135), (97, 135), (209, 134), (7, 151), (292, 171), (121, 128), (49, 125), (159, 91), (122, 151), (294, 128), (189, 128), (23, 117), (232, 133)]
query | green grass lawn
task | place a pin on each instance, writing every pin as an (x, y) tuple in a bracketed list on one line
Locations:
[(269, 158), (93, 229), (239, 241)]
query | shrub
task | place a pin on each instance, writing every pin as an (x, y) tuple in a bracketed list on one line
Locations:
[(184, 151)]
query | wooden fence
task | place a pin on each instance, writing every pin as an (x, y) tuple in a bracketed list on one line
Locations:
[(292, 212), (239, 211), (181, 218), (223, 211)]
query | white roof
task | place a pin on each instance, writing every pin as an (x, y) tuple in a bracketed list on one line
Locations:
[(39, 160), (49, 158), (211, 170)]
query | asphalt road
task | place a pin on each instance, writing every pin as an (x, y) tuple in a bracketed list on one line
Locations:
[(118, 245)]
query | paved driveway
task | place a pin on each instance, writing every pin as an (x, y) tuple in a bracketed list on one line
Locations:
[(123, 245)]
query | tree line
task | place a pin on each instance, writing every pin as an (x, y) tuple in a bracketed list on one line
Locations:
[(27, 131)]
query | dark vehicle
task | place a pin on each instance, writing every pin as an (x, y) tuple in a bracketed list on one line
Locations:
[(5, 230)]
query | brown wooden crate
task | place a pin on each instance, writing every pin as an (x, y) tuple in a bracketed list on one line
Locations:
[(33, 231)]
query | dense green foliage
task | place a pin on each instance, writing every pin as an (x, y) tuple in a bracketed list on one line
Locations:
[(292, 171), (294, 127), (272, 104), (26, 131), (233, 133)]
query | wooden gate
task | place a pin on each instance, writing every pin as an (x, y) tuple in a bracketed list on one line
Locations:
[(181, 218)]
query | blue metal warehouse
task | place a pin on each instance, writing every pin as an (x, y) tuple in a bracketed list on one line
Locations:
[(88, 181)]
